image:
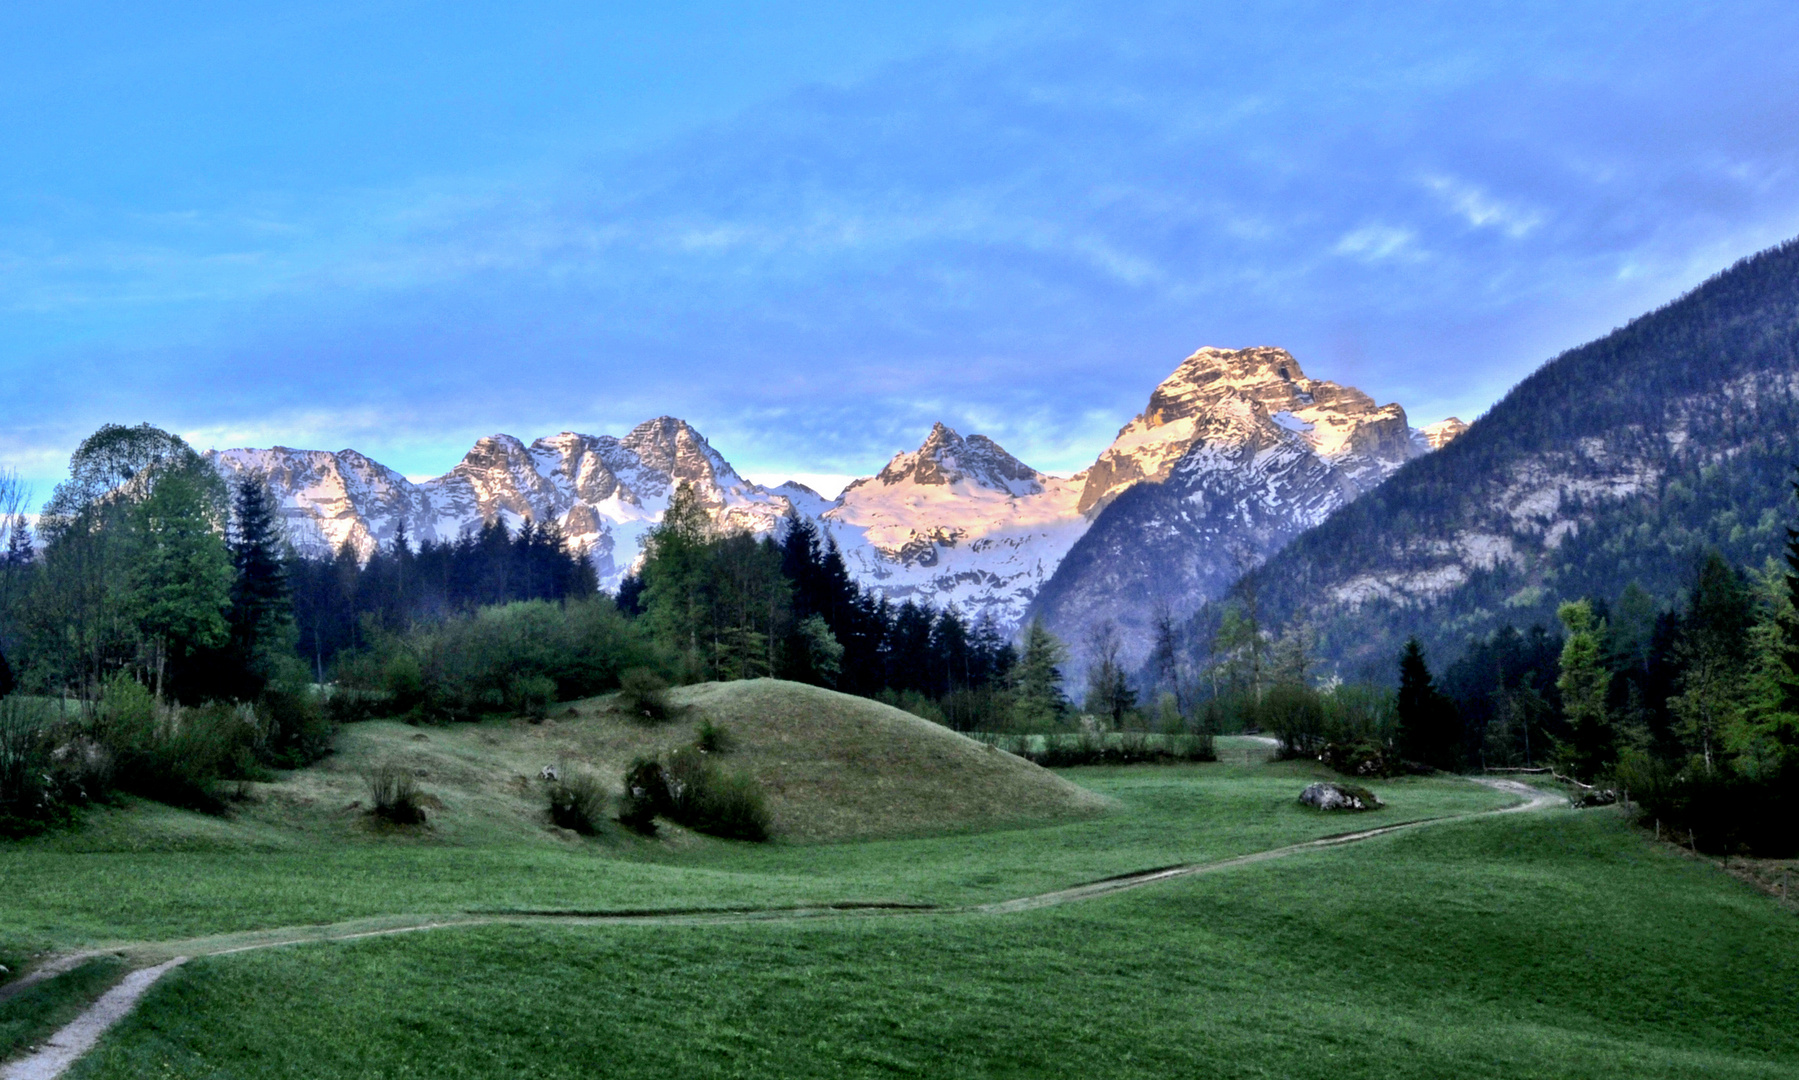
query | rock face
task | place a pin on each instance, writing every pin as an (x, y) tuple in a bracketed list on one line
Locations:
[(1236, 449), (1328, 796), (1237, 453), (1618, 462)]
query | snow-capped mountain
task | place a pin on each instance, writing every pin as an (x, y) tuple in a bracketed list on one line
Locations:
[(957, 521), (603, 492), (1237, 453)]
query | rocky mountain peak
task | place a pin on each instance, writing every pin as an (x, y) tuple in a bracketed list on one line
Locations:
[(1443, 432), (946, 458), (670, 447), (1256, 395)]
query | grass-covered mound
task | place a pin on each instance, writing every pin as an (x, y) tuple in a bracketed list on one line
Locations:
[(830, 767), (836, 766)]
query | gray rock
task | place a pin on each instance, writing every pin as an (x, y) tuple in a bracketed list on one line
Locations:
[(1328, 796)]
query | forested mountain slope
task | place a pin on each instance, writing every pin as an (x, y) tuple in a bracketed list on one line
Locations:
[(1617, 461)]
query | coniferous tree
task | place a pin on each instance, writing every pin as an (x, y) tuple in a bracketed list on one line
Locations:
[(1429, 728), (261, 614), (1037, 679)]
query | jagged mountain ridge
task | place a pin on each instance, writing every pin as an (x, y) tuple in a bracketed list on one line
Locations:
[(603, 492), (1241, 452), (1621, 460), (957, 521)]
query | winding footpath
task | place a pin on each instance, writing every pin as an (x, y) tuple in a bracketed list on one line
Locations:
[(152, 960)]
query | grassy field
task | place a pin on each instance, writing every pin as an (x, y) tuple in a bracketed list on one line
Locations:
[(1550, 943), (1553, 944)]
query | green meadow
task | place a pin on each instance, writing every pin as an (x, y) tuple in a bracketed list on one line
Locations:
[(1548, 942)]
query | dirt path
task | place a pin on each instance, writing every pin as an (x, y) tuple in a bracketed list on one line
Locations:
[(154, 959)]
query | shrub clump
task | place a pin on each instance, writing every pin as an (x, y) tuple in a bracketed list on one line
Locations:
[(644, 694), (1361, 757), (1061, 751), (690, 788), (713, 739), (48, 767), (578, 801), (394, 795), (646, 796)]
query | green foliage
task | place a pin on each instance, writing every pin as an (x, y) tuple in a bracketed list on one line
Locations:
[(517, 658), (689, 787), (1110, 694), (1585, 684), (177, 754), (645, 796), (824, 655), (712, 738), (644, 695), (710, 799), (718, 601), (578, 800), (1294, 714)]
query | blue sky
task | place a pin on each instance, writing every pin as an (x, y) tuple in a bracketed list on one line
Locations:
[(814, 229)]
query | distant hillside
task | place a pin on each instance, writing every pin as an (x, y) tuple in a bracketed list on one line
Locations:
[(1617, 461)]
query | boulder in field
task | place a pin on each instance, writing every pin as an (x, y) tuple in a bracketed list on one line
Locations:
[(1328, 796)]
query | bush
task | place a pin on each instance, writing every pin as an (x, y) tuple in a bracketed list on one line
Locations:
[(1097, 748), (299, 729), (394, 795), (578, 801), (644, 694), (690, 788), (533, 695), (174, 754), (708, 799), (646, 796), (713, 739), (1363, 757), (1722, 813)]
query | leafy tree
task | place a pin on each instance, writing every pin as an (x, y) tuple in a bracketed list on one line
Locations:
[(178, 584), (1109, 690), (1713, 651), (1585, 685), (1037, 679), (824, 656)]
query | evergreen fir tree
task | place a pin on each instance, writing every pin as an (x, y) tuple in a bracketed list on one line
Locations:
[(1429, 727), (1037, 680), (261, 614)]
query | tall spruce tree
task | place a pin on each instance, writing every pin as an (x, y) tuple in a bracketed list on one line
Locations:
[(1429, 727), (1038, 700), (261, 614)]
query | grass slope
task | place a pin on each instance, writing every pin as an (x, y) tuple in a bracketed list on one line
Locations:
[(837, 766), (1553, 944)]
